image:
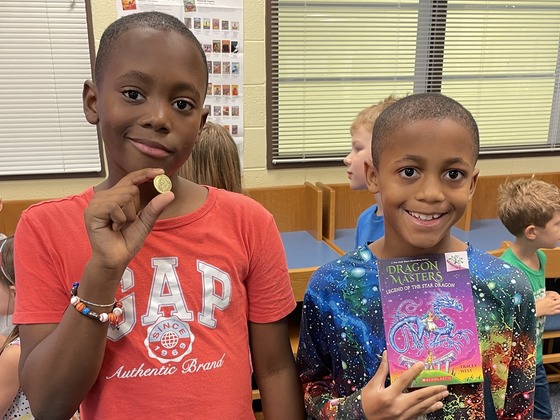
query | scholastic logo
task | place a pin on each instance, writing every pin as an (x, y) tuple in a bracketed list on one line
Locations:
[(437, 379), (169, 340)]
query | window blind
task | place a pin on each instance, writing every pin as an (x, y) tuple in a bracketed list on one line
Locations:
[(44, 60), (330, 59)]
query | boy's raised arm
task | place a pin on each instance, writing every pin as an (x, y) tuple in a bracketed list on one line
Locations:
[(60, 362)]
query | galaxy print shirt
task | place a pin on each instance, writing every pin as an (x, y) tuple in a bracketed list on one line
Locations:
[(342, 339)]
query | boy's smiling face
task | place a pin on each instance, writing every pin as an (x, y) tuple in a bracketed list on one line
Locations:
[(426, 177), (149, 105)]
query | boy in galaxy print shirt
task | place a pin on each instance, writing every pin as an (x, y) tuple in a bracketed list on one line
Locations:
[(424, 152)]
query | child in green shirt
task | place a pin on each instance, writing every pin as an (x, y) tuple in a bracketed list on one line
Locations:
[(530, 210)]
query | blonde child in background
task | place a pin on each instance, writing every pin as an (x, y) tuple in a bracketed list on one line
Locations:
[(530, 210), (370, 223), (214, 160), (13, 403)]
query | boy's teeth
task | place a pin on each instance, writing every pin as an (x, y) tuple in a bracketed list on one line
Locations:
[(426, 217)]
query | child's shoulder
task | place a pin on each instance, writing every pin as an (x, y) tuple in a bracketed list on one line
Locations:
[(496, 272), (357, 266), (11, 353), (59, 209), (64, 203), (368, 213), (482, 261), (236, 201)]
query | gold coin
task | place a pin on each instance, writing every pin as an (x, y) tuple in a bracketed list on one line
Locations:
[(162, 183)]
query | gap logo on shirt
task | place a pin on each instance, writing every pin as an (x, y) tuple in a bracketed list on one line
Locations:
[(169, 337)]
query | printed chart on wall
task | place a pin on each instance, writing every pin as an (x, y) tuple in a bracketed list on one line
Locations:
[(218, 26)]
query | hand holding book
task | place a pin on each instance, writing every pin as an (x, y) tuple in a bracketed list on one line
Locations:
[(393, 402)]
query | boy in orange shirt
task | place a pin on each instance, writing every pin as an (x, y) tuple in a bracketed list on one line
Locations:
[(194, 279)]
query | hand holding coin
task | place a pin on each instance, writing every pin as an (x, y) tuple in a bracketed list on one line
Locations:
[(162, 183)]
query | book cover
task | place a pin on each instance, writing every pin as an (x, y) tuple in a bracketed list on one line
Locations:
[(428, 314)]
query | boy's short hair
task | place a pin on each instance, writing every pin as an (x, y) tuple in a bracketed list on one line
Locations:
[(366, 117), (155, 20), (417, 107), (524, 202)]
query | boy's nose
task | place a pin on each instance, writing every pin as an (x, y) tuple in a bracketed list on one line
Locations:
[(431, 190), (158, 117), (346, 160)]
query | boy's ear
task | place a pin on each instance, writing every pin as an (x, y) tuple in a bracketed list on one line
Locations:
[(530, 232), (203, 117), (89, 99), (474, 180), (372, 183)]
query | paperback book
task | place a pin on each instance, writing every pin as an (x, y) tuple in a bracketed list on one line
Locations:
[(429, 317)]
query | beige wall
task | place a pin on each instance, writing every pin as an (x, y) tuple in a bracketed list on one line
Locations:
[(255, 172)]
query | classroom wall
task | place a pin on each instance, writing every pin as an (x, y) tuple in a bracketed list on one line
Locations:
[(255, 172)]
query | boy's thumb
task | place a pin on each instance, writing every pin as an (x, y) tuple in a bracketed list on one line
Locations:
[(155, 207)]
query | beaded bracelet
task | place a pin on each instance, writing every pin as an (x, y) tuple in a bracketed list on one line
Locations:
[(109, 305), (81, 307)]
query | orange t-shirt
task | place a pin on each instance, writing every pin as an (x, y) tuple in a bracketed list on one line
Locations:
[(181, 350)]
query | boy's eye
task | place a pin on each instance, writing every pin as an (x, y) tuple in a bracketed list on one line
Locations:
[(408, 172), (454, 174), (132, 94), (183, 104)]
